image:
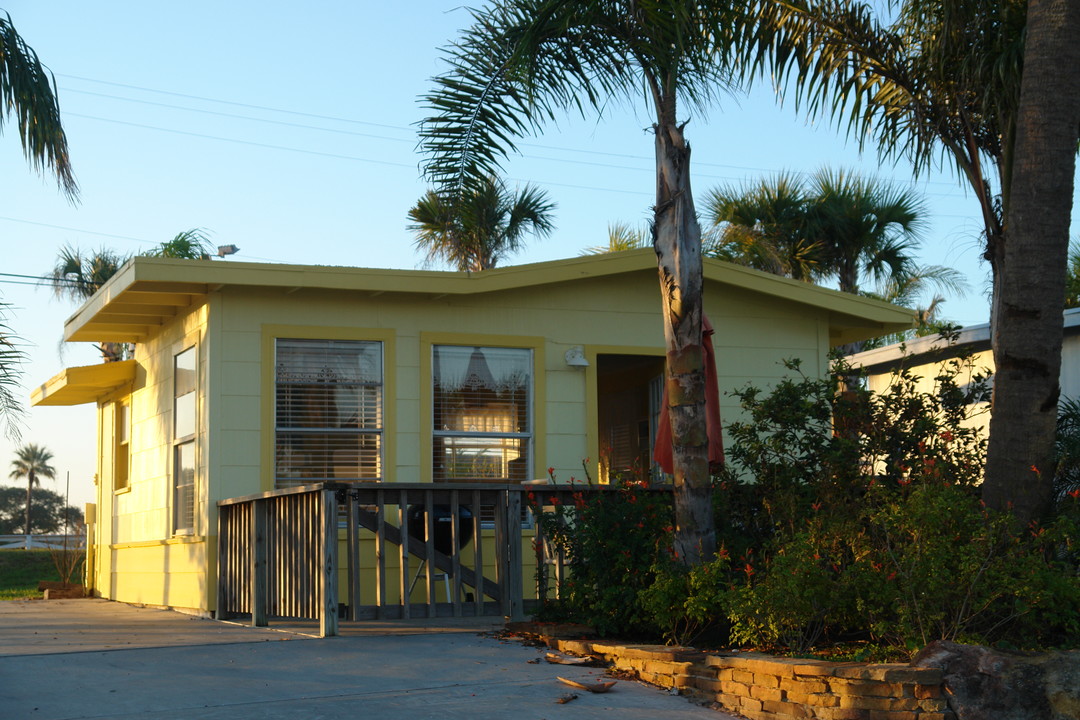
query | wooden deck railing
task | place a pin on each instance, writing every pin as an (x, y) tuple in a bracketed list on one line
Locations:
[(280, 553)]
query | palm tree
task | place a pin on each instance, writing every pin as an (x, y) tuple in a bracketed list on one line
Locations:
[(836, 225), (945, 80), (763, 226), (864, 227), (621, 237), (78, 274), (520, 64), (28, 91), (911, 290), (31, 462), (193, 244), (475, 229), (11, 358)]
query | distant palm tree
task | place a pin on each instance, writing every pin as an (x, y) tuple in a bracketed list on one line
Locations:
[(31, 462), (622, 237), (763, 226), (477, 228), (834, 225), (865, 227), (78, 274), (191, 244), (28, 91)]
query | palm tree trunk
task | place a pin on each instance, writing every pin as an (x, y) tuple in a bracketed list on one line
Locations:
[(677, 240), (1027, 324), (30, 478)]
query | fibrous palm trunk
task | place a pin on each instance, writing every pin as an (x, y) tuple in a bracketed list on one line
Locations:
[(677, 240), (1027, 318), (31, 478)]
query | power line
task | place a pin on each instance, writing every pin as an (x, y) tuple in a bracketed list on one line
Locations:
[(378, 125), (242, 142)]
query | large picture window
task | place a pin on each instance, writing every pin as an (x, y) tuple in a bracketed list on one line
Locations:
[(482, 429), (184, 428), (328, 411)]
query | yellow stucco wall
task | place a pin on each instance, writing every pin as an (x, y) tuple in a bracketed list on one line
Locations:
[(139, 558)]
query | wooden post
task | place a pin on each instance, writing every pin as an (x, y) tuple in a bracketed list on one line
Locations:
[(455, 557), (380, 555), (478, 557), (353, 535), (328, 552), (515, 590), (259, 588), (221, 606), (502, 546), (403, 567), (429, 552)]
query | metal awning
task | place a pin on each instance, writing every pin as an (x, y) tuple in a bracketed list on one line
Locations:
[(85, 384)]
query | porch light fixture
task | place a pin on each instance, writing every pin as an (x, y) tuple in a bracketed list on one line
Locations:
[(575, 357)]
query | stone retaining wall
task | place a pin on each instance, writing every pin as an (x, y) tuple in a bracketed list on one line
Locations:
[(762, 687)]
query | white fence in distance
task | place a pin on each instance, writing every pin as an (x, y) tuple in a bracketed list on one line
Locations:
[(42, 542)]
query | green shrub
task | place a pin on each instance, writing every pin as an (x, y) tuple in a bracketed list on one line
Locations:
[(685, 603), (613, 543)]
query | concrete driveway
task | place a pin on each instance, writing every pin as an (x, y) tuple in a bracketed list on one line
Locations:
[(64, 659)]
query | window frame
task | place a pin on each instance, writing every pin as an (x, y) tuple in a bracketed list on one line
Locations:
[(122, 446), (184, 526), (536, 437), (380, 432)]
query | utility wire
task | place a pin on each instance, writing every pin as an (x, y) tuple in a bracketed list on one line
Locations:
[(389, 127)]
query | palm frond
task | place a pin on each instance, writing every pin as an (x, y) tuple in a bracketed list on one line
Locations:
[(524, 63), (12, 357), (28, 91), (193, 244)]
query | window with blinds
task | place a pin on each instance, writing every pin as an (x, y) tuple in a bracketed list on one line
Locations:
[(482, 429), (328, 411)]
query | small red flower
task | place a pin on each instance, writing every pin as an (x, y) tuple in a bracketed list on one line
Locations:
[(891, 577), (1075, 494), (749, 570), (816, 506)]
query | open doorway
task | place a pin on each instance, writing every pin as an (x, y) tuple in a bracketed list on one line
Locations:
[(629, 392)]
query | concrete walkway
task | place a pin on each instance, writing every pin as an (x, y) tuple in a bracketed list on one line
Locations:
[(65, 659)]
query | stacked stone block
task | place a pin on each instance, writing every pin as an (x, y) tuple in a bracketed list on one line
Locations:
[(762, 687)]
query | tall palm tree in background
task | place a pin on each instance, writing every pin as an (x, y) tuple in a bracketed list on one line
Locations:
[(476, 228), (929, 80), (763, 225), (31, 462), (834, 225), (865, 228), (523, 62), (28, 91)]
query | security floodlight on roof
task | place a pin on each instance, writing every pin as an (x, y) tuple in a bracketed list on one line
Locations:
[(223, 250)]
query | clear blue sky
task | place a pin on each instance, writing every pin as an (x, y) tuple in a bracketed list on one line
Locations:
[(289, 133)]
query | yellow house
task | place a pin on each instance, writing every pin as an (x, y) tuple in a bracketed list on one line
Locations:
[(248, 377)]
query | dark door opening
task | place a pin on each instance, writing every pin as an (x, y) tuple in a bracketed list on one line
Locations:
[(629, 391)]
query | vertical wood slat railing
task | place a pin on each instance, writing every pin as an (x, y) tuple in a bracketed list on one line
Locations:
[(278, 552)]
